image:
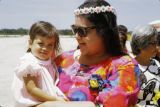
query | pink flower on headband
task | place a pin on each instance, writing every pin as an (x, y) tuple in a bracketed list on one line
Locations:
[(110, 9), (85, 10), (97, 10)]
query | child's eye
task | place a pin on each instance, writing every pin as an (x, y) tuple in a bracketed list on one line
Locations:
[(51, 45), (40, 44)]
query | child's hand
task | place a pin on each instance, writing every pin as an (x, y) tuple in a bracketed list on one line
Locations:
[(60, 99), (66, 99)]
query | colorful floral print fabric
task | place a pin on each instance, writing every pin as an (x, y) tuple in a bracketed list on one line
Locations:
[(111, 82)]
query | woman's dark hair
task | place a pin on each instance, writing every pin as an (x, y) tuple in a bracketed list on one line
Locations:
[(45, 29), (106, 26)]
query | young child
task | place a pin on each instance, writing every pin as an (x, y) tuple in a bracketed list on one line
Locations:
[(36, 76)]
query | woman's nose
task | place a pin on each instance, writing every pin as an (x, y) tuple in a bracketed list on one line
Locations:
[(78, 36)]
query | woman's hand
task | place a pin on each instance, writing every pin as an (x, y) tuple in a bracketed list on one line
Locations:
[(67, 104)]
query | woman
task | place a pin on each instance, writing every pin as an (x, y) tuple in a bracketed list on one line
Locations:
[(156, 24), (158, 48), (123, 36), (98, 71), (143, 46), (157, 57)]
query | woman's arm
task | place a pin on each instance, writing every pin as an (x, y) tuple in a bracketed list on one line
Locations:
[(33, 90), (67, 104)]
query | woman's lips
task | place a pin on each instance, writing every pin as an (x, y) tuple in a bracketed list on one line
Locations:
[(82, 45)]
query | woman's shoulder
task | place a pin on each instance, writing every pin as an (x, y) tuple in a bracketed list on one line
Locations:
[(123, 60), (64, 59)]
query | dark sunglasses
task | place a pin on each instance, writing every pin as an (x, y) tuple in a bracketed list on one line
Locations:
[(82, 31)]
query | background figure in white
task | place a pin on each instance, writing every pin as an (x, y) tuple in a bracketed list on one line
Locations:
[(156, 24), (143, 46)]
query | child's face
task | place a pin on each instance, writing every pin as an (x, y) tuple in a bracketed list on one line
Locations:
[(42, 47)]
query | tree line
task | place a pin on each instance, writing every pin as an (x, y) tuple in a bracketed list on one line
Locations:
[(22, 31)]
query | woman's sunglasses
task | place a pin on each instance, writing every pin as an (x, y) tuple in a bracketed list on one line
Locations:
[(82, 31)]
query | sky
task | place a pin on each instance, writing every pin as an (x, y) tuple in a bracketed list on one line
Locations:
[(23, 13)]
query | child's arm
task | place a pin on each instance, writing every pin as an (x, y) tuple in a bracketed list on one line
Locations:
[(33, 90)]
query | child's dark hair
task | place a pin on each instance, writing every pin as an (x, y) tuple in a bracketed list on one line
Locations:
[(44, 29)]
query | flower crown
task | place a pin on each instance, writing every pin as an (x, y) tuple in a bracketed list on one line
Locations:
[(97, 10)]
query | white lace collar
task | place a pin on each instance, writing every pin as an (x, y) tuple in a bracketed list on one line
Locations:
[(142, 68), (76, 54), (30, 57)]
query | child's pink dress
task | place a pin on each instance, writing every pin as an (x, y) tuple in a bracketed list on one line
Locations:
[(46, 73)]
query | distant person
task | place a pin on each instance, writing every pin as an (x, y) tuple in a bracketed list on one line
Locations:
[(156, 24), (158, 48), (157, 57), (123, 36), (36, 75), (143, 44)]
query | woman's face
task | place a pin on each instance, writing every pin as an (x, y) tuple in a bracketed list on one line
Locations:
[(150, 50), (91, 43)]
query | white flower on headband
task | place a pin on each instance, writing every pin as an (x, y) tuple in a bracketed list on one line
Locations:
[(91, 10), (97, 10), (103, 8)]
